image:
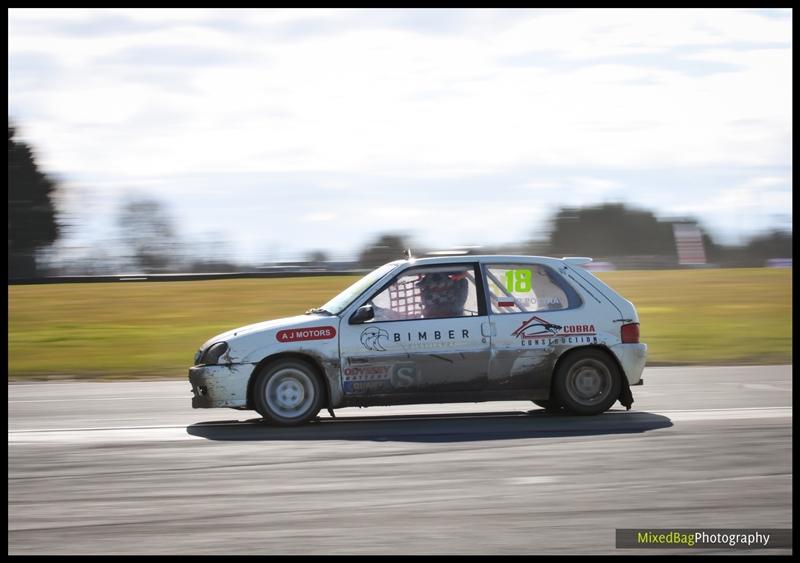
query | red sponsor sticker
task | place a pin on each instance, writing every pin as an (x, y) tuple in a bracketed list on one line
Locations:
[(313, 333)]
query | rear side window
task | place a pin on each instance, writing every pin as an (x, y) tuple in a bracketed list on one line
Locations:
[(523, 288)]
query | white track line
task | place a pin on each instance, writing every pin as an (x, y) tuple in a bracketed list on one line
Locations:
[(178, 432), (132, 398)]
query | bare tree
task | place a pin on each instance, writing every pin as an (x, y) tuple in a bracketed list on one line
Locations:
[(148, 235), (317, 256), (388, 247)]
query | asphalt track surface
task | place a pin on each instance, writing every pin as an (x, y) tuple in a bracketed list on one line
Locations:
[(130, 468)]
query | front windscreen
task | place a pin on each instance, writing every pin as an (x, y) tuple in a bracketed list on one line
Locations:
[(341, 301)]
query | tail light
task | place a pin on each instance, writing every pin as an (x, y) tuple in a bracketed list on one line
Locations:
[(630, 333)]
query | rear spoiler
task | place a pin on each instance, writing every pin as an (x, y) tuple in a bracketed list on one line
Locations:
[(576, 260)]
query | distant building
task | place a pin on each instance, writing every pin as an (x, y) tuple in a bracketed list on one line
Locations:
[(689, 243)]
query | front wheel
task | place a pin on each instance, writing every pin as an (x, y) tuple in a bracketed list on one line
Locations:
[(288, 393), (587, 382)]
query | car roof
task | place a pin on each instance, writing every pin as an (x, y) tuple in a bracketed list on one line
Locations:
[(506, 258)]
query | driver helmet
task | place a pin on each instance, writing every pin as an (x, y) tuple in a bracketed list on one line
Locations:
[(443, 294)]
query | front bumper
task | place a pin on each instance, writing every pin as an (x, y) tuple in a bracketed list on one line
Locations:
[(632, 358), (220, 386)]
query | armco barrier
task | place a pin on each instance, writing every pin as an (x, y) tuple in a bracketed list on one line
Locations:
[(181, 277)]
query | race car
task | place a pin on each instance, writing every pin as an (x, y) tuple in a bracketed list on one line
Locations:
[(435, 330)]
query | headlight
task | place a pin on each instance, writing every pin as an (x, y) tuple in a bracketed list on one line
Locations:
[(214, 352)]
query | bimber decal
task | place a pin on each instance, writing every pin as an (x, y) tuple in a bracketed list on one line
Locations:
[(313, 333), (371, 339), (375, 339)]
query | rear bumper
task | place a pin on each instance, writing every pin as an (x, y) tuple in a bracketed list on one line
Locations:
[(220, 386), (632, 358)]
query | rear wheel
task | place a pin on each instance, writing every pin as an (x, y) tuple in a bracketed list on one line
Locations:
[(587, 382), (288, 393)]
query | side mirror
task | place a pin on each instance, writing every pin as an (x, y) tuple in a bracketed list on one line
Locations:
[(362, 314)]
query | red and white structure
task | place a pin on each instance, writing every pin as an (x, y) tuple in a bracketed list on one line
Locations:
[(689, 242)]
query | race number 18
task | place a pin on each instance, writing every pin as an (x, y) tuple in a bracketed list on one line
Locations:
[(518, 281)]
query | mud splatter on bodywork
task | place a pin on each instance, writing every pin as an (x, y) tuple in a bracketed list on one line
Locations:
[(331, 367), (219, 385), (393, 375), (531, 369)]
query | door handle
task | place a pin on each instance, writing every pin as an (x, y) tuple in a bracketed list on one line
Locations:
[(488, 329)]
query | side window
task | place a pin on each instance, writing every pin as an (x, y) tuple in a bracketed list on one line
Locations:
[(428, 293), (522, 288)]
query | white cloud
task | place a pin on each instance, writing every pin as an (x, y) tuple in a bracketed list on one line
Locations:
[(133, 95), (318, 217)]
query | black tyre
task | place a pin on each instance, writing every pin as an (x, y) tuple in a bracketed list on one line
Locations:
[(587, 382), (288, 393)]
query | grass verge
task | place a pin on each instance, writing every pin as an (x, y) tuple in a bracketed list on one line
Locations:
[(124, 330)]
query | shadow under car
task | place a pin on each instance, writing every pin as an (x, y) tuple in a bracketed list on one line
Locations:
[(461, 427)]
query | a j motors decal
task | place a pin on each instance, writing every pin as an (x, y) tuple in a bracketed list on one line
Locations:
[(313, 333), (537, 330)]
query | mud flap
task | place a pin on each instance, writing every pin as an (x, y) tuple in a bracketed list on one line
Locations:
[(625, 395)]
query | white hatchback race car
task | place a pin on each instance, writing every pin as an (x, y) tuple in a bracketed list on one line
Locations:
[(435, 330)]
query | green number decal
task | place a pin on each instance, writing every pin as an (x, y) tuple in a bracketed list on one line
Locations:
[(518, 281), (510, 280), (523, 278)]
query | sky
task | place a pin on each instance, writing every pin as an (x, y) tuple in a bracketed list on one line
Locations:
[(268, 133)]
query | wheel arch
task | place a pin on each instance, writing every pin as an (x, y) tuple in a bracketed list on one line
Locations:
[(625, 390), (308, 359)]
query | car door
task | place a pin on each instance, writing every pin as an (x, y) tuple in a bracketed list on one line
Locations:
[(425, 340), (535, 314)]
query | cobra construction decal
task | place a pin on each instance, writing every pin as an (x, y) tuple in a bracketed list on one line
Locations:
[(313, 333), (537, 331)]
